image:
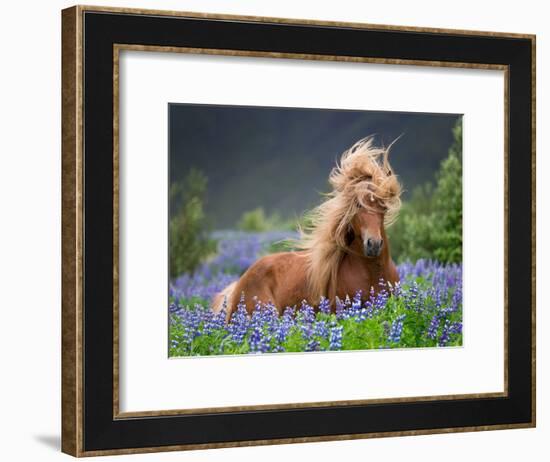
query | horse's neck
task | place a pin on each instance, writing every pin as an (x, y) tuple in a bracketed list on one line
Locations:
[(375, 267)]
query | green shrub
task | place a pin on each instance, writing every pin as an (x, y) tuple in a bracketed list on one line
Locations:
[(189, 231), (254, 221), (430, 222), (257, 220)]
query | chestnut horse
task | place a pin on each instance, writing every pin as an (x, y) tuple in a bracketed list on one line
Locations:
[(345, 249)]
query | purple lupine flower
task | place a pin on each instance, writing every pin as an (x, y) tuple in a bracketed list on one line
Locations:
[(372, 296), (256, 319), (380, 301), (190, 319), (347, 302), (413, 292), (207, 322), (339, 308), (320, 329), (396, 289), (396, 329), (324, 305), (335, 337), (259, 343), (362, 314), (197, 286), (432, 328), (286, 322), (368, 307), (306, 329), (456, 300), (356, 302), (455, 328), (270, 317), (382, 284), (445, 334), (238, 325), (305, 317), (437, 298), (306, 313), (313, 345)]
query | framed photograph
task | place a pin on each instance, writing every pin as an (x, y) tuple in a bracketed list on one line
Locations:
[(280, 231)]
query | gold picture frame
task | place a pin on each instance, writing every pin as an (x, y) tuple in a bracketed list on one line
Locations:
[(73, 211)]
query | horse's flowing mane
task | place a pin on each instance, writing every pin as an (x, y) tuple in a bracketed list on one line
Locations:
[(363, 178)]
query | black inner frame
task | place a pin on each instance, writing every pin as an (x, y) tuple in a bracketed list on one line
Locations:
[(101, 31)]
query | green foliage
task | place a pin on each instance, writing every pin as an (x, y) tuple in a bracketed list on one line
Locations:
[(254, 221), (189, 241), (448, 209), (430, 223), (257, 220), (368, 334)]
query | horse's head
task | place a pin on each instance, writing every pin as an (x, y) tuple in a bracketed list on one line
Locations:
[(368, 192), (367, 225)]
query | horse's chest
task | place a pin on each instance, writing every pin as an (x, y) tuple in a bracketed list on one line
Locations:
[(357, 277)]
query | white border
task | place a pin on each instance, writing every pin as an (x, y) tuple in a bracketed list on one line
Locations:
[(149, 381)]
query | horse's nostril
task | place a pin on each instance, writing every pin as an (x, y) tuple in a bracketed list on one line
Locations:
[(381, 242)]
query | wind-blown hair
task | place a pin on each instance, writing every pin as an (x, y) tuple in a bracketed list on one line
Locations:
[(362, 178)]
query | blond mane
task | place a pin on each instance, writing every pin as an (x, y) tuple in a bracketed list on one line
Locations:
[(362, 178)]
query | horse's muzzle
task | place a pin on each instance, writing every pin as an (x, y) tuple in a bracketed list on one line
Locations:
[(373, 247)]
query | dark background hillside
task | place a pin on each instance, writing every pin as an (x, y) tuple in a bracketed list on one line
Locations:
[(280, 158)]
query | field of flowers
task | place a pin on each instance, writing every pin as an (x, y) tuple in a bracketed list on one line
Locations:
[(424, 310)]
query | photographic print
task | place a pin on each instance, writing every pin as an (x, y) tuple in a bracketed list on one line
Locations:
[(313, 230)]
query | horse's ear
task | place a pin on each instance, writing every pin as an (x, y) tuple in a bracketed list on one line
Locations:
[(350, 236)]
